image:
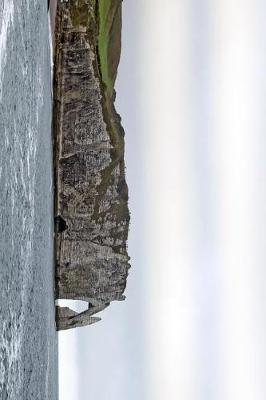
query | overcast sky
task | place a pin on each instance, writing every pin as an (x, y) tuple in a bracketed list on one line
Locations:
[(191, 92)]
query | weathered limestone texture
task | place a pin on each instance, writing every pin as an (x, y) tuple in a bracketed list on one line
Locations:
[(91, 196)]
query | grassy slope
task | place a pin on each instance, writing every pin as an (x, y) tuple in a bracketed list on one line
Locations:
[(109, 23), (109, 43), (109, 50)]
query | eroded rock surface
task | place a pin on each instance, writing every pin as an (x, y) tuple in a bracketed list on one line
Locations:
[(92, 216)]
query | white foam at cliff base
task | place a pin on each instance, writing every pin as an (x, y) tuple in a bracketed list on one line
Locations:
[(51, 49), (7, 19)]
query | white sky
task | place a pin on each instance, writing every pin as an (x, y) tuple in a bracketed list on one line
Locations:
[(191, 92)]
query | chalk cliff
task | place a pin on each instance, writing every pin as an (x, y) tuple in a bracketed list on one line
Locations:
[(91, 195)]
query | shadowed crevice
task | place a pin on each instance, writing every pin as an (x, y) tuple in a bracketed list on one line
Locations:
[(60, 224)]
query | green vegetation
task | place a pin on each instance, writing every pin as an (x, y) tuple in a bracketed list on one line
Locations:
[(109, 49), (109, 23), (109, 43)]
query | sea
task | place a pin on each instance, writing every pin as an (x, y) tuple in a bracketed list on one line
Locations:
[(28, 338)]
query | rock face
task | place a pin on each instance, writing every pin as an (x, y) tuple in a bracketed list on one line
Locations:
[(91, 196)]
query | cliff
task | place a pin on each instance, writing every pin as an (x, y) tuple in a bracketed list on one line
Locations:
[(91, 195)]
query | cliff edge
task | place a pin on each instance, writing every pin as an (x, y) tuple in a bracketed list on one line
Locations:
[(91, 194)]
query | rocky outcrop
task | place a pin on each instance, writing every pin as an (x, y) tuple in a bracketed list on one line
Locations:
[(91, 196)]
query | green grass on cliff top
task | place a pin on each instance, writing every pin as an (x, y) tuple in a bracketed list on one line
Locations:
[(109, 40)]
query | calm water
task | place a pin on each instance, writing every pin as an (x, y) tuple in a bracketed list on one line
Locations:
[(28, 341)]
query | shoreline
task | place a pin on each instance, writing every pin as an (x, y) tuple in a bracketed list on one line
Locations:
[(52, 13)]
